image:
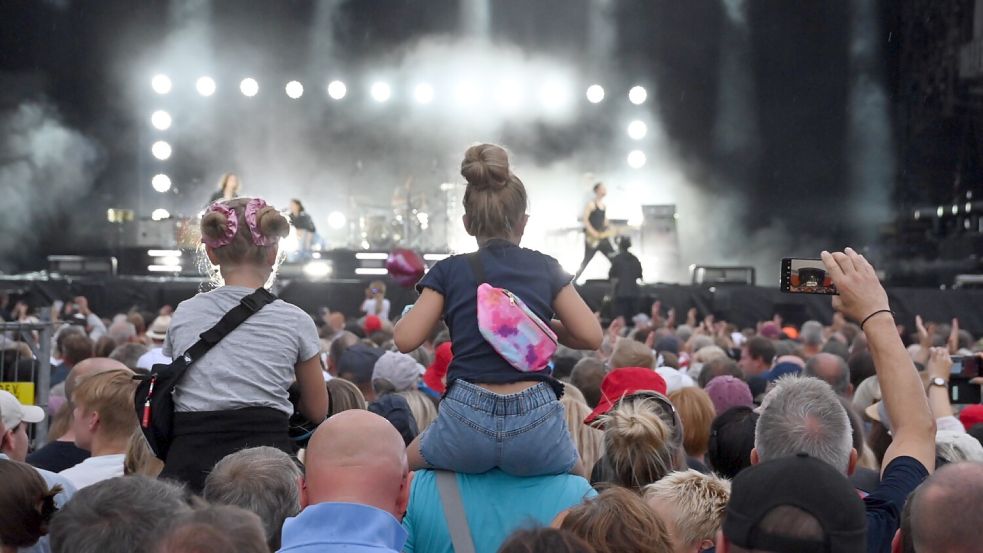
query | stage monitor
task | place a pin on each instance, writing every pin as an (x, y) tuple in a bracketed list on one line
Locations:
[(82, 265), (705, 275)]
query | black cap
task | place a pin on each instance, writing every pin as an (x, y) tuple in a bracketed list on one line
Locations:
[(395, 409), (359, 362), (803, 482)]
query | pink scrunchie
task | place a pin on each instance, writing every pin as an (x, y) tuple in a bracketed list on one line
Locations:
[(253, 208), (231, 225)]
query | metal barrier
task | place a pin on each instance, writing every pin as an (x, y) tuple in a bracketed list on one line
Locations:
[(25, 367)]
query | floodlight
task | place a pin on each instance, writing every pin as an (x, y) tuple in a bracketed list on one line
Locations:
[(161, 120), (380, 92), (161, 84), (337, 90), (423, 93), (637, 130), (161, 150), (337, 220), (249, 87), (161, 182), (637, 95), (160, 214), (294, 89), (636, 159), (205, 86), (595, 93)]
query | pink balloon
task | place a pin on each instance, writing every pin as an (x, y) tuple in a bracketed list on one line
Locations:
[(405, 267)]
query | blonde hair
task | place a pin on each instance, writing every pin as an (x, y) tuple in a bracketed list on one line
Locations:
[(698, 502), (343, 395), (423, 409), (589, 440), (631, 353), (110, 394), (140, 459), (242, 249), (639, 446), (495, 199), (224, 181), (617, 520), (696, 410)]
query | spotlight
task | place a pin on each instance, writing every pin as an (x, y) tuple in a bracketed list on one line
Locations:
[(423, 93), (637, 95), (294, 89), (380, 92), (636, 159), (160, 214), (205, 86), (637, 130), (466, 94), (161, 120), (595, 94), (161, 182), (337, 220), (553, 95), (509, 94), (161, 84), (249, 87), (161, 150), (337, 90), (317, 269)]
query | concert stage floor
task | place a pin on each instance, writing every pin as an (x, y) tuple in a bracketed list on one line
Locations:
[(744, 305)]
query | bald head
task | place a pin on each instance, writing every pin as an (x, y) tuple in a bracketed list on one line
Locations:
[(87, 368), (945, 510), (358, 457), (833, 369)]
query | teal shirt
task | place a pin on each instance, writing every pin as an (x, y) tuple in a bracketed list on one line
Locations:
[(496, 504)]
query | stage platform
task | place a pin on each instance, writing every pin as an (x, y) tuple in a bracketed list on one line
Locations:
[(744, 305)]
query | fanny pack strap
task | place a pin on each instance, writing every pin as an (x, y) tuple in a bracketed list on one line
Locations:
[(457, 520), (476, 268)]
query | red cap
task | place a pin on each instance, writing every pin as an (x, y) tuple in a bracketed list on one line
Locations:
[(372, 324), (971, 415), (622, 382)]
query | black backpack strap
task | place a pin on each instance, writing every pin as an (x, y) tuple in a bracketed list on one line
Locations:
[(475, 261), (248, 306)]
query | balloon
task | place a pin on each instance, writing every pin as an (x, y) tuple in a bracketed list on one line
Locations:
[(405, 267)]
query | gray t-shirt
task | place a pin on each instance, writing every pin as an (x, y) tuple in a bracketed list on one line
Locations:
[(251, 367)]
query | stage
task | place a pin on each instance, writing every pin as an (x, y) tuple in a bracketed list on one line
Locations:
[(741, 304)]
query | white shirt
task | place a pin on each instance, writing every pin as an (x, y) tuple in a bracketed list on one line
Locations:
[(369, 305), (675, 380), (153, 357), (95, 469)]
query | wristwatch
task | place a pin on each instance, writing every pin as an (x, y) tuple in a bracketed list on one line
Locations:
[(938, 381)]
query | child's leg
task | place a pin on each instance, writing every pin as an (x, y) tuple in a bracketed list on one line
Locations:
[(415, 458)]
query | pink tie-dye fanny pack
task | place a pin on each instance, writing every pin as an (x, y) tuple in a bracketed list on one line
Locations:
[(510, 327)]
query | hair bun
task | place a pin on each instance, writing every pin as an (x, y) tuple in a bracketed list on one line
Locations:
[(213, 225), (486, 166), (272, 223)]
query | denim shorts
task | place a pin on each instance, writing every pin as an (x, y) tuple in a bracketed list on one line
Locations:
[(523, 434)]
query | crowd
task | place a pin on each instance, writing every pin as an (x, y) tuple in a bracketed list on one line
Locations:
[(666, 433)]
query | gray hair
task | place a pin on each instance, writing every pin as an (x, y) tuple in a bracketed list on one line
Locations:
[(840, 382), (129, 354), (263, 480), (803, 415), (119, 515), (811, 333)]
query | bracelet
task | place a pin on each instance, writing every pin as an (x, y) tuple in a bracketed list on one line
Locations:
[(875, 313)]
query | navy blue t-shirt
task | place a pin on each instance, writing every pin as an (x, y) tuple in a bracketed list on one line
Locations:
[(884, 506), (534, 277)]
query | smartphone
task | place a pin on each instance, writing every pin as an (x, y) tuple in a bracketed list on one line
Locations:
[(963, 392), (967, 366), (806, 276)]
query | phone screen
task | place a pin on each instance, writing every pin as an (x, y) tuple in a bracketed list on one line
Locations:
[(806, 276), (965, 366)]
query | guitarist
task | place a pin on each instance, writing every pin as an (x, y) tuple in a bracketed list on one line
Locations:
[(597, 233)]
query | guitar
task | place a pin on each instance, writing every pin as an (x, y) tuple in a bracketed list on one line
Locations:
[(611, 232)]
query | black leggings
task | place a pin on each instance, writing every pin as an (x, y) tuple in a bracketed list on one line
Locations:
[(604, 246)]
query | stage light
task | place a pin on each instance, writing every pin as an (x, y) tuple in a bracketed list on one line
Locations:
[(294, 89), (317, 269), (636, 159), (637, 95), (940, 211), (160, 214), (161, 120), (553, 95), (205, 86), (380, 92), (161, 182), (161, 150), (466, 94), (161, 84), (637, 130), (595, 94), (337, 90), (249, 87), (423, 93), (337, 220), (509, 94)]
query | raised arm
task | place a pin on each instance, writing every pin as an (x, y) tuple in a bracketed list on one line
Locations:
[(578, 327), (861, 296), (414, 327)]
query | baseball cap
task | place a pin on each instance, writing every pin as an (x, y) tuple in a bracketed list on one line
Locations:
[(395, 409), (372, 324), (14, 412), (727, 391), (623, 382), (401, 370), (158, 329), (971, 415), (781, 370), (770, 330), (667, 343), (359, 361), (805, 483)]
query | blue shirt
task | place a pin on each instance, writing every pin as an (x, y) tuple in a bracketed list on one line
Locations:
[(884, 505), (495, 503), (534, 277), (342, 527)]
